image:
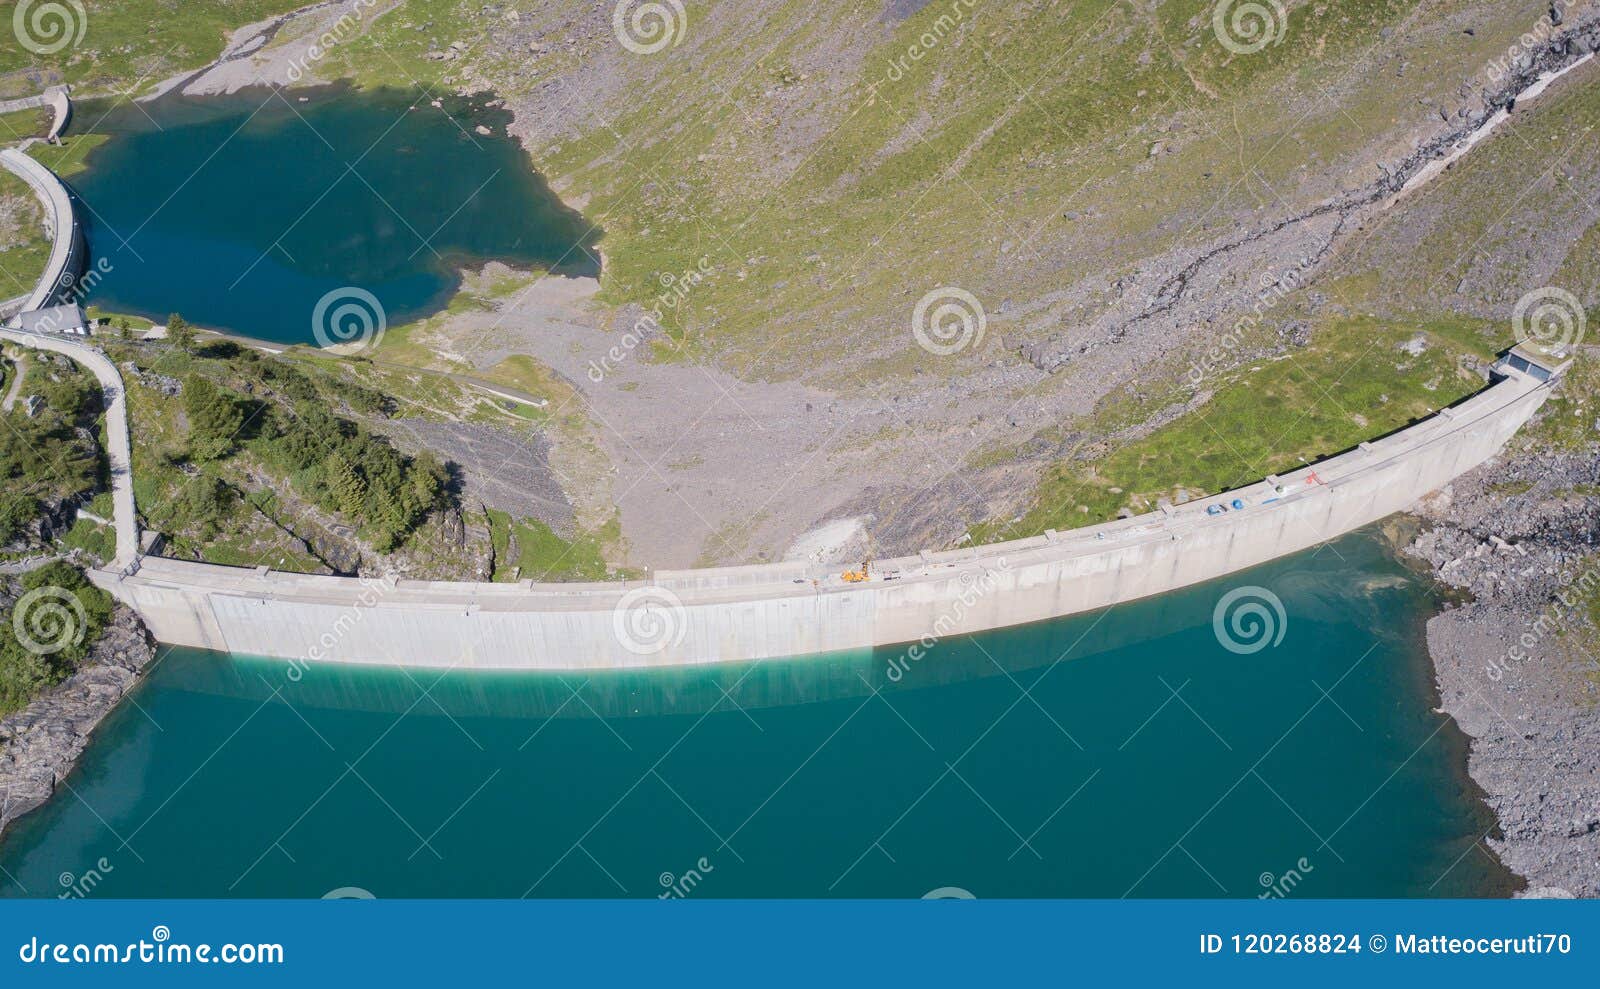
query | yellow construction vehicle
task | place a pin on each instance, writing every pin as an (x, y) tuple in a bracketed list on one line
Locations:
[(857, 576)]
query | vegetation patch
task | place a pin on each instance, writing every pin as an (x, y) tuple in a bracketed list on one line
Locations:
[(129, 45), (24, 246), (216, 420), (1358, 379), (527, 549), (49, 455), (82, 612)]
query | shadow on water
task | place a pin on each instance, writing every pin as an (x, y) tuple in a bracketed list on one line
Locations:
[(243, 211), (1311, 595)]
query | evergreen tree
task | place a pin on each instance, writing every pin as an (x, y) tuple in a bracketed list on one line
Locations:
[(180, 332), (388, 521), (214, 418), (348, 486), (424, 485)]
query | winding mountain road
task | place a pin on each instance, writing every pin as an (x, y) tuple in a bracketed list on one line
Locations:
[(119, 446)]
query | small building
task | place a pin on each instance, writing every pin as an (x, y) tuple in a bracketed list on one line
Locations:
[(69, 318), (1534, 361)]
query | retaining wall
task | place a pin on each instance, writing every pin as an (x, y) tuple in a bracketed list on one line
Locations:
[(748, 613)]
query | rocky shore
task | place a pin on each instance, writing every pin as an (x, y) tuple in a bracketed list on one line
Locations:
[(1515, 663), (40, 744)]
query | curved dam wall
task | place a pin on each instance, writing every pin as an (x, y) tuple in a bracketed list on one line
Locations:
[(67, 249), (57, 98), (759, 612)]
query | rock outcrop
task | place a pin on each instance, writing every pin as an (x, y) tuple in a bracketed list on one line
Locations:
[(40, 744), (1514, 667)]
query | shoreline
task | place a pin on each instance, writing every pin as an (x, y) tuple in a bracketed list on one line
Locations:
[(1398, 534), (453, 267), (1534, 740), (41, 744)]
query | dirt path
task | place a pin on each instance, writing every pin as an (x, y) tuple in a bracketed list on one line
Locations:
[(15, 388)]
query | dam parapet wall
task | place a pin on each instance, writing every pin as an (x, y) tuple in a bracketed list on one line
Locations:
[(735, 614)]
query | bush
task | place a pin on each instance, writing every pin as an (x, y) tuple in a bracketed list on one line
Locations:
[(346, 470), (43, 457), (215, 418), (67, 632), (17, 509)]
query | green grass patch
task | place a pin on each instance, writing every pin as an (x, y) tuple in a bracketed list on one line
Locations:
[(1567, 421), (1353, 383), (24, 246), (71, 156), (542, 555), (22, 124), (98, 541), (134, 44)]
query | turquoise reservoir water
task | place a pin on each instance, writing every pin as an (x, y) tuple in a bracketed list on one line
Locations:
[(1125, 753), (242, 212)]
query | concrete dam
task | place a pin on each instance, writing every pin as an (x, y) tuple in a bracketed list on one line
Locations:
[(733, 614)]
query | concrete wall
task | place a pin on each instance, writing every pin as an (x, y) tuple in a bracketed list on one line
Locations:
[(61, 103), (746, 613), (67, 249)]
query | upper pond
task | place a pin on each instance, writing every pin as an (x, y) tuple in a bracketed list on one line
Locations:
[(242, 212)]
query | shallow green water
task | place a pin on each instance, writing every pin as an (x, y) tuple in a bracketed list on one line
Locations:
[(242, 212), (1103, 755)]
